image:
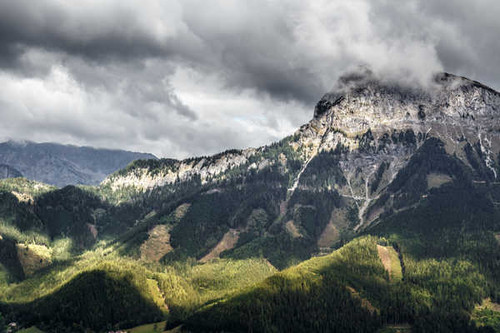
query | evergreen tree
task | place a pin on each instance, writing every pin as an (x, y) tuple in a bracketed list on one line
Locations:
[(2, 324)]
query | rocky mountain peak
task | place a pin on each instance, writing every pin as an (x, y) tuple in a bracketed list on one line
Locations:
[(451, 106), (373, 150), (446, 91)]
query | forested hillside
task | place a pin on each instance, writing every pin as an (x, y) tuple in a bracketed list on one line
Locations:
[(380, 214)]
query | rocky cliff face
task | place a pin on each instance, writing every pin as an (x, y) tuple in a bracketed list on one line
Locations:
[(381, 124), (62, 165), (454, 109), (150, 175)]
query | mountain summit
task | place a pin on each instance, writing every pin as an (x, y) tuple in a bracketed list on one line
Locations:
[(381, 127), (452, 108)]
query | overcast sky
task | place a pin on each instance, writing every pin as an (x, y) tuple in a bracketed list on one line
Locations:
[(195, 77)]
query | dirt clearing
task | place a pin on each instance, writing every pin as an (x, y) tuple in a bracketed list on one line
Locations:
[(292, 229), (390, 260), (227, 242), (157, 245), (33, 257), (435, 180), (329, 236), (181, 211)]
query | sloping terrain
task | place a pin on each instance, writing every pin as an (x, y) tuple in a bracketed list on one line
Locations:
[(6, 171), (387, 199), (350, 291), (102, 291)]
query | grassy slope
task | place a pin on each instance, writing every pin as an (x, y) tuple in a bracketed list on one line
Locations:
[(32, 329), (138, 293), (487, 314), (350, 291), (25, 186), (96, 298), (309, 297)]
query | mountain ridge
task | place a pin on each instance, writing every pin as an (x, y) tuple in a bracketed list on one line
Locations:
[(356, 92), (62, 165), (377, 123)]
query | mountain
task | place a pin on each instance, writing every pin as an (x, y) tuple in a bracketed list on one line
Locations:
[(372, 149), (6, 171), (62, 165), (381, 214)]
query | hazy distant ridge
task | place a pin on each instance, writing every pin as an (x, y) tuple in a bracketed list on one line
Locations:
[(65, 164)]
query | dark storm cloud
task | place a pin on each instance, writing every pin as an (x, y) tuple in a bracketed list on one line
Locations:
[(470, 44), (250, 53), (464, 33), (76, 28), (188, 77)]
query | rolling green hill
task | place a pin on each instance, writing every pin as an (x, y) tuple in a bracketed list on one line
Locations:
[(351, 291)]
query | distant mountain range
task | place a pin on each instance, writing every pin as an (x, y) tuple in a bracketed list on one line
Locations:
[(62, 165)]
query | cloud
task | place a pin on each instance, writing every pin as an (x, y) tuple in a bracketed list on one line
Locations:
[(182, 78)]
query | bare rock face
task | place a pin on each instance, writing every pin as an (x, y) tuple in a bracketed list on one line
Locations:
[(146, 177), (454, 109), (365, 113), (382, 124)]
